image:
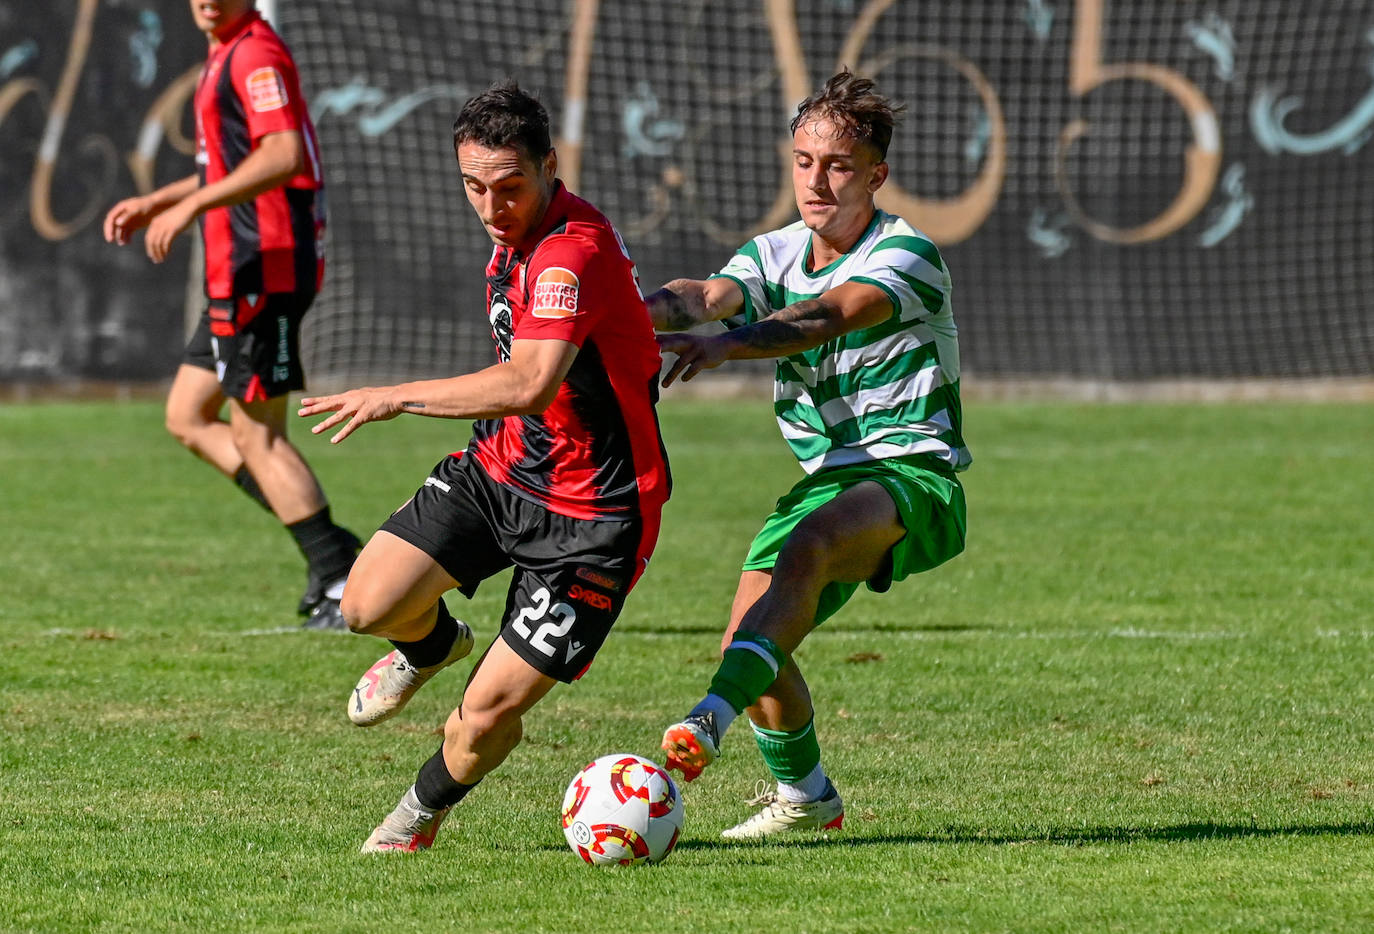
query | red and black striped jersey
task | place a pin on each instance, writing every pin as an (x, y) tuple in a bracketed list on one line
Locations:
[(596, 451), (275, 241)]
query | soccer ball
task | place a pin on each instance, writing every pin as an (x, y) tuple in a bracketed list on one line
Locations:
[(622, 810)]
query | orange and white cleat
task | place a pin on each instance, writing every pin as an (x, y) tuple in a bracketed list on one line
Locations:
[(691, 745), (411, 827)]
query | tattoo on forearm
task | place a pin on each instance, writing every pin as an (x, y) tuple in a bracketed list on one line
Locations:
[(412, 405), (810, 309), (786, 330)]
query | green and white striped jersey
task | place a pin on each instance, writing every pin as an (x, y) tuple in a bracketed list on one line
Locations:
[(890, 390)]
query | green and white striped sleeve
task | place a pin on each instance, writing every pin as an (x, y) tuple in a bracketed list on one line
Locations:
[(745, 269), (909, 268)]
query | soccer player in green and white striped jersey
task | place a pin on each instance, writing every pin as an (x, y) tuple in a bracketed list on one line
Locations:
[(854, 304)]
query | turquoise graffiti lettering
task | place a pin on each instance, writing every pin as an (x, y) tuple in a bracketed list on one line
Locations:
[(647, 133), (143, 46), (1214, 36), (382, 114), (17, 57), (1227, 217), (1039, 16), (1268, 112)]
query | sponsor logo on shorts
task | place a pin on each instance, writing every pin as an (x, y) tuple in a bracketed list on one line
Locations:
[(266, 90), (220, 366), (604, 581), (555, 293), (283, 344), (590, 597)]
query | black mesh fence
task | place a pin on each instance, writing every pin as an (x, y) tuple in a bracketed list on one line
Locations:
[(1124, 189)]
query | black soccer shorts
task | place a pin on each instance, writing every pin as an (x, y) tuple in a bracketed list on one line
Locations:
[(252, 344), (571, 575)]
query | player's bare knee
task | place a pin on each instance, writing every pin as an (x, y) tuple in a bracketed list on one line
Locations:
[(181, 427), (806, 554), (486, 732), (251, 438), (364, 614), (356, 622)]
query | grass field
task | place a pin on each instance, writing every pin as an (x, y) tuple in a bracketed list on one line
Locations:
[(1143, 699)]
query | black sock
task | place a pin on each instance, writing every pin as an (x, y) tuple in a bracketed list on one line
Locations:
[(433, 648), (245, 482), (328, 548), (435, 788)]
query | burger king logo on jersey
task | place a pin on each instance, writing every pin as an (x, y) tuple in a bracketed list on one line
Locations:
[(266, 90), (555, 293)]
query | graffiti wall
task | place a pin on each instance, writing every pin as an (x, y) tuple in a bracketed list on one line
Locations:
[(1124, 189), (93, 107)]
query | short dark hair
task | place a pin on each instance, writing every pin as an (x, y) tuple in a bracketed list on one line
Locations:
[(504, 115), (855, 106)]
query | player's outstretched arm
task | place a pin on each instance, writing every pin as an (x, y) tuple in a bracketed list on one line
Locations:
[(685, 303), (135, 213), (525, 384), (802, 325), (789, 330)]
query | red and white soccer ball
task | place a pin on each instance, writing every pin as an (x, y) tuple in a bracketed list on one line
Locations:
[(622, 810)]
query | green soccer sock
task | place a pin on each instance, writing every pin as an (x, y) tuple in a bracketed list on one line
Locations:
[(790, 756), (749, 666)]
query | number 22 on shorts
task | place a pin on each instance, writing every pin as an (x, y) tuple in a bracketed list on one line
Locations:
[(559, 619)]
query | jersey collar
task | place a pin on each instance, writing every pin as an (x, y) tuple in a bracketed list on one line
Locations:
[(555, 215), (831, 266)]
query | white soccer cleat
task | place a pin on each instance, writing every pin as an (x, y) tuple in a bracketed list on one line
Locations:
[(779, 816), (411, 827), (386, 687)]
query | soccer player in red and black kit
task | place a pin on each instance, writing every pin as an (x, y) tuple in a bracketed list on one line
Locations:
[(564, 478), (259, 194)]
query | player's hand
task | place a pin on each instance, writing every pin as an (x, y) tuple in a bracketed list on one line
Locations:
[(165, 228), (127, 216), (357, 407), (695, 352)]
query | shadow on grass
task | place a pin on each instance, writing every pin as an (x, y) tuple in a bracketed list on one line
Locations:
[(881, 628), (1082, 836)]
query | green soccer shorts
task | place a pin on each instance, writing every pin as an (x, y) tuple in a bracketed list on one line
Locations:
[(930, 504)]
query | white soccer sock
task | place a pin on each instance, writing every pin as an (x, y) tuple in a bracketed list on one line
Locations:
[(809, 788), (724, 713)]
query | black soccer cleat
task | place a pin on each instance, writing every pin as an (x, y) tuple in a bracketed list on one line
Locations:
[(314, 593), (326, 617)]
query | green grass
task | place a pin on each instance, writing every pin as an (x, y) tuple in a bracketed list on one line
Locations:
[(1143, 699)]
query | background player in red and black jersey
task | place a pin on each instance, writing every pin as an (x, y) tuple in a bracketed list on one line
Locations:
[(564, 479), (260, 200)]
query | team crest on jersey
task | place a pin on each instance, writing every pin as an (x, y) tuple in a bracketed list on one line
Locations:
[(501, 331), (266, 90), (555, 293)]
